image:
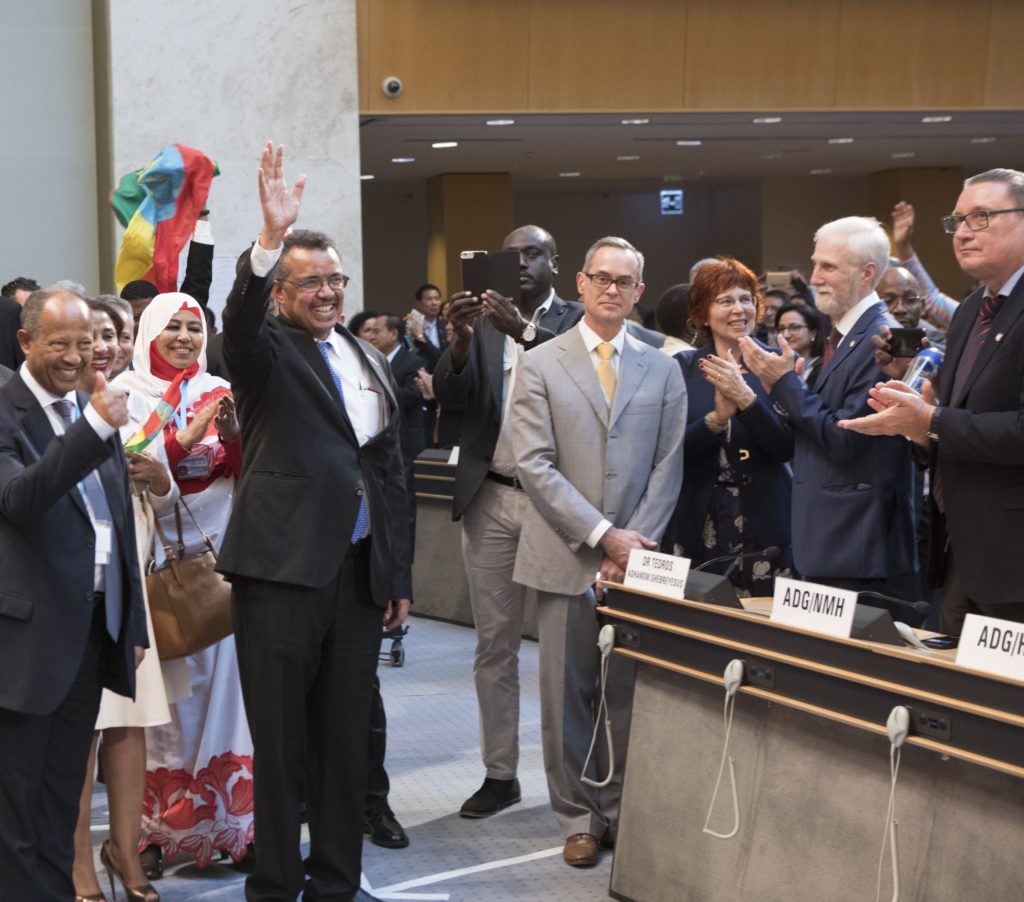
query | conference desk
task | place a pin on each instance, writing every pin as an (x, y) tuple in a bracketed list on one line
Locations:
[(811, 760)]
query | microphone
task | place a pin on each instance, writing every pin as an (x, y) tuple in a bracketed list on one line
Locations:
[(922, 607), (770, 553)]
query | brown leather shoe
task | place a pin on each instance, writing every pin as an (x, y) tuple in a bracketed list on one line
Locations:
[(580, 850)]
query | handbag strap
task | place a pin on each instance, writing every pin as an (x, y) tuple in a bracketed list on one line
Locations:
[(202, 532)]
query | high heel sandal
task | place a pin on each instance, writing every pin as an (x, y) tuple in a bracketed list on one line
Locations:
[(144, 893), (95, 897)]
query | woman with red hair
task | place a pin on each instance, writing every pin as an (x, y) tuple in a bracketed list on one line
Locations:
[(735, 499)]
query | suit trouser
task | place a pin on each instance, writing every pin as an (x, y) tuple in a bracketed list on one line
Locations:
[(307, 659), (377, 783), (490, 535), (570, 692), (956, 604), (42, 770)]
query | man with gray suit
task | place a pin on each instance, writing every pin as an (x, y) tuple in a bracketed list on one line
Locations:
[(597, 427), (475, 376)]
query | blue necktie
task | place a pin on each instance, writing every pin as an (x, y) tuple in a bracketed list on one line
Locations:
[(361, 519), (92, 489)]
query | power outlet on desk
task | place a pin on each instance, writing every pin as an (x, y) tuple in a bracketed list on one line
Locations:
[(760, 674), (627, 637), (932, 724)]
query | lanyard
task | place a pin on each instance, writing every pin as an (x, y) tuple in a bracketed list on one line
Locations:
[(181, 414)]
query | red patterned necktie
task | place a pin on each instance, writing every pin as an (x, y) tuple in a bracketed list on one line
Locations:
[(831, 343)]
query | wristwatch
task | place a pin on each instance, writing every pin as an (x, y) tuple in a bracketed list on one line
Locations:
[(933, 426)]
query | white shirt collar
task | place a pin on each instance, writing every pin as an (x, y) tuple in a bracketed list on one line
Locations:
[(591, 339), (45, 397), (391, 354), (851, 316), (1011, 283)]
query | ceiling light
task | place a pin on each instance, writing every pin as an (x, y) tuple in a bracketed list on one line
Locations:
[(932, 119), (501, 122), (568, 175), (439, 144), (366, 178), (840, 140), (629, 157), (821, 172), (903, 155), (403, 159), (689, 143), (983, 140), (767, 120), (636, 121)]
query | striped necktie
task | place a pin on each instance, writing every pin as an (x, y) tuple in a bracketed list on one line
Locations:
[(990, 306)]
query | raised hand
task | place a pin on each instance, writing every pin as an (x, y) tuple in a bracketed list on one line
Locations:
[(280, 204), (226, 420), (109, 403), (195, 430), (768, 367), (903, 230), (725, 375)]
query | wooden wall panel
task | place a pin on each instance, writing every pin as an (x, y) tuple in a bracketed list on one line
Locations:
[(911, 54), (1004, 81), (453, 55), (597, 55), (933, 192), (743, 54)]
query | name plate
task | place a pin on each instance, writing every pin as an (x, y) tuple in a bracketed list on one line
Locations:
[(992, 645), (813, 607), (657, 573)]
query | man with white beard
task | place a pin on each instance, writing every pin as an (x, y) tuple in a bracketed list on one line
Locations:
[(853, 520)]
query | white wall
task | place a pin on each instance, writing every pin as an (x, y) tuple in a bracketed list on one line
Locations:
[(225, 78), (47, 143)]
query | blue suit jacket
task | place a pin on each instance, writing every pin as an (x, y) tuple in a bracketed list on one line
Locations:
[(761, 444), (853, 511)]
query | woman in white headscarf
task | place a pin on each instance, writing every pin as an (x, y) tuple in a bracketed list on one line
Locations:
[(199, 769)]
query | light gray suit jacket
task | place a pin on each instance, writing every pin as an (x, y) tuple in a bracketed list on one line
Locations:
[(579, 466)]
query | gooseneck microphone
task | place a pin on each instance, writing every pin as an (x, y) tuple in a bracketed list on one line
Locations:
[(922, 607), (770, 553)]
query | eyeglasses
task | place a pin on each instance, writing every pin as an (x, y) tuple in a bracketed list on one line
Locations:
[(312, 284), (725, 303), (786, 330), (976, 221), (604, 281)]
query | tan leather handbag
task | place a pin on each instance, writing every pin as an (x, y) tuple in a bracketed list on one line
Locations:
[(189, 602)]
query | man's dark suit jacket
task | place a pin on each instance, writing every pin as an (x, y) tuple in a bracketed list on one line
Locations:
[(10, 322), (853, 511), (303, 471), (477, 393), (404, 367), (761, 445), (980, 454), (427, 351), (198, 273), (47, 559)]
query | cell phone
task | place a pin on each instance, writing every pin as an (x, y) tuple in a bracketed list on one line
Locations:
[(498, 271), (777, 279), (942, 641), (905, 342), (416, 316)]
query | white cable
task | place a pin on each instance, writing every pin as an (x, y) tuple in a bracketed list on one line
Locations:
[(889, 834), (730, 706), (602, 705)]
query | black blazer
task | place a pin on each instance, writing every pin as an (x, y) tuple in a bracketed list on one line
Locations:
[(303, 471), (761, 445), (404, 367), (476, 392), (980, 452), (46, 555), (10, 322)]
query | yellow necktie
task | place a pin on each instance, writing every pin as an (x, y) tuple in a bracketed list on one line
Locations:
[(605, 371)]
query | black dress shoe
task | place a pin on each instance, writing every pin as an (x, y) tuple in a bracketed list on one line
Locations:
[(384, 830), (492, 797)]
